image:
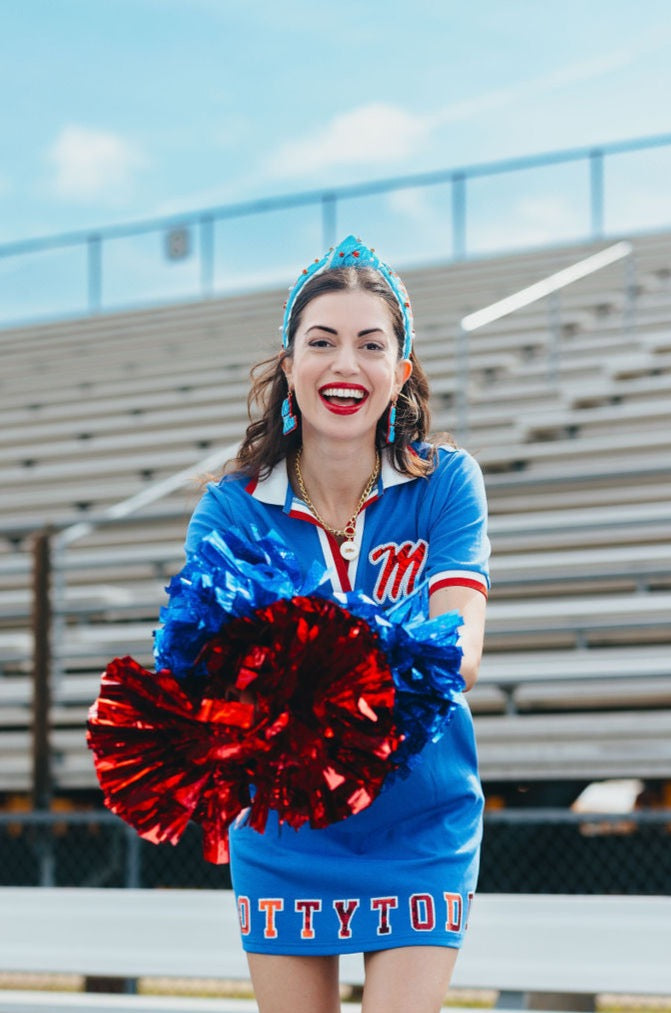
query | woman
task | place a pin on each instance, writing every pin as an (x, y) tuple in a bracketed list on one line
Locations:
[(336, 464)]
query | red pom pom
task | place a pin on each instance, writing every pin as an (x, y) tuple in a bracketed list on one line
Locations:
[(298, 702), (162, 756)]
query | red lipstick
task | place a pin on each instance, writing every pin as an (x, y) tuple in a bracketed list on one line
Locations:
[(343, 398)]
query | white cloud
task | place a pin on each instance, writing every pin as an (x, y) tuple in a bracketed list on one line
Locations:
[(645, 207), (529, 221), (413, 204), (380, 133), (93, 163), (368, 135), (574, 73)]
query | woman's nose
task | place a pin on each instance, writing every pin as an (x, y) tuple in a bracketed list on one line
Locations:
[(346, 361)]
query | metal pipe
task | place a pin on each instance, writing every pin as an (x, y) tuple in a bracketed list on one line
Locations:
[(463, 370), (596, 192), (94, 269), (285, 201), (630, 296), (541, 289), (41, 622), (554, 338), (41, 739), (458, 216), (207, 256)]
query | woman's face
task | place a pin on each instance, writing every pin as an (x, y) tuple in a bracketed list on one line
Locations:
[(345, 367)]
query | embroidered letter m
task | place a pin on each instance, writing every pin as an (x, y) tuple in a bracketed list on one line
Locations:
[(401, 565)]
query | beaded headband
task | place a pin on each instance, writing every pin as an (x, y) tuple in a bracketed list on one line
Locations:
[(351, 252)]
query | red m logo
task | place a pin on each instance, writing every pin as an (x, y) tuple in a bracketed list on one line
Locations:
[(401, 566)]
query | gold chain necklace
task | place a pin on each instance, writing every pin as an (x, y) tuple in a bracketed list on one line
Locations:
[(349, 549)]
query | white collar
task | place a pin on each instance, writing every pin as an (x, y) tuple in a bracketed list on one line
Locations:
[(275, 489)]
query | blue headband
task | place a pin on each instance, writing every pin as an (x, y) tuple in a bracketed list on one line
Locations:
[(351, 252)]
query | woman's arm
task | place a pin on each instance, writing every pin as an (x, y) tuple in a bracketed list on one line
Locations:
[(471, 605)]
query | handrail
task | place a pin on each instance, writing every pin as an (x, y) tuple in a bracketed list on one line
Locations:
[(127, 507), (541, 289), (49, 584), (548, 286), (326, 200), (368, 189)]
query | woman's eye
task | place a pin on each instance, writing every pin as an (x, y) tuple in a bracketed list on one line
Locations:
[(319, 342), (373, 346)]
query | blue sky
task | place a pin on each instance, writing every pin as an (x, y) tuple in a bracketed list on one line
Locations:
[(117, 110)]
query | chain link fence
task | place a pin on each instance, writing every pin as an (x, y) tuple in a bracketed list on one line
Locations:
[(558, 851), (98, 850), (533, 851)]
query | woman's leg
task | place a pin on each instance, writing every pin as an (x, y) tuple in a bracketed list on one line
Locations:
[(287, 984), (408, 978)]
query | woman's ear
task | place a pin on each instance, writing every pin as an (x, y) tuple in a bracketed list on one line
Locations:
[(287, 365), (403, 373)]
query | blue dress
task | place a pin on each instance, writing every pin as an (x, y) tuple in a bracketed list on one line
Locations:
[(403, 871)]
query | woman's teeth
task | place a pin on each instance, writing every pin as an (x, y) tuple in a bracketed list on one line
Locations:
[(340, 394)]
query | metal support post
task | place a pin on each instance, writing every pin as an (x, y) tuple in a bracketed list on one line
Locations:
[(133, 877), (94, 263), (458, 216), (596, 192), (554, 338), (206, 256), (462, 384), (630, 296), (41, 744), (41, 669)]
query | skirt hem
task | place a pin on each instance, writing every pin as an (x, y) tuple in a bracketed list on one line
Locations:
[(449, 942)]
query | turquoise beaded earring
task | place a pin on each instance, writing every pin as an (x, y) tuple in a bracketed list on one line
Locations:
[(289, 420), (391, 423)]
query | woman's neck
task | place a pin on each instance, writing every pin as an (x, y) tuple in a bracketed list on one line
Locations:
[(335, 478)]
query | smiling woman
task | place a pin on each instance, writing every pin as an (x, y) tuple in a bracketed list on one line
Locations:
[(267, 441), (337, 463)]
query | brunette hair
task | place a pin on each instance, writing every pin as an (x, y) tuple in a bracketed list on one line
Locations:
[(265, 445)]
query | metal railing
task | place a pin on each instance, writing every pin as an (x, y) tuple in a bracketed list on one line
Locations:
[(197, 231)]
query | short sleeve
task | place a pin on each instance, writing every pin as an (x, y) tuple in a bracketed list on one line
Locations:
[(456, 523), (214, 512)]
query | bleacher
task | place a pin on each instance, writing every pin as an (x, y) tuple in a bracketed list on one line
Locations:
[(576, 680)]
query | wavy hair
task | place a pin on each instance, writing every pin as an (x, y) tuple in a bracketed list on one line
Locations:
[(264, 444)]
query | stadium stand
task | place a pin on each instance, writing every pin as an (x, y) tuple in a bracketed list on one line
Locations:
[(574, 438)]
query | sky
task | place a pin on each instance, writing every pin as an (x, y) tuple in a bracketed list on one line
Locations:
[(116, 111)]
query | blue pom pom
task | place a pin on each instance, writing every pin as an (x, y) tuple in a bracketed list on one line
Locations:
[(228, 576), (425, 658)]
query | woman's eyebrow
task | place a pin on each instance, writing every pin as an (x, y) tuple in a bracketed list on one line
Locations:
[(332, 330)]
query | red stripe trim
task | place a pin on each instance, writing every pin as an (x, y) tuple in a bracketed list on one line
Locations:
[(460, 582), (340, 563), (304, 517), (251, 486)]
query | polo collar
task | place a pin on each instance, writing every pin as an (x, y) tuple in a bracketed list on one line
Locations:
[(275, 489)]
